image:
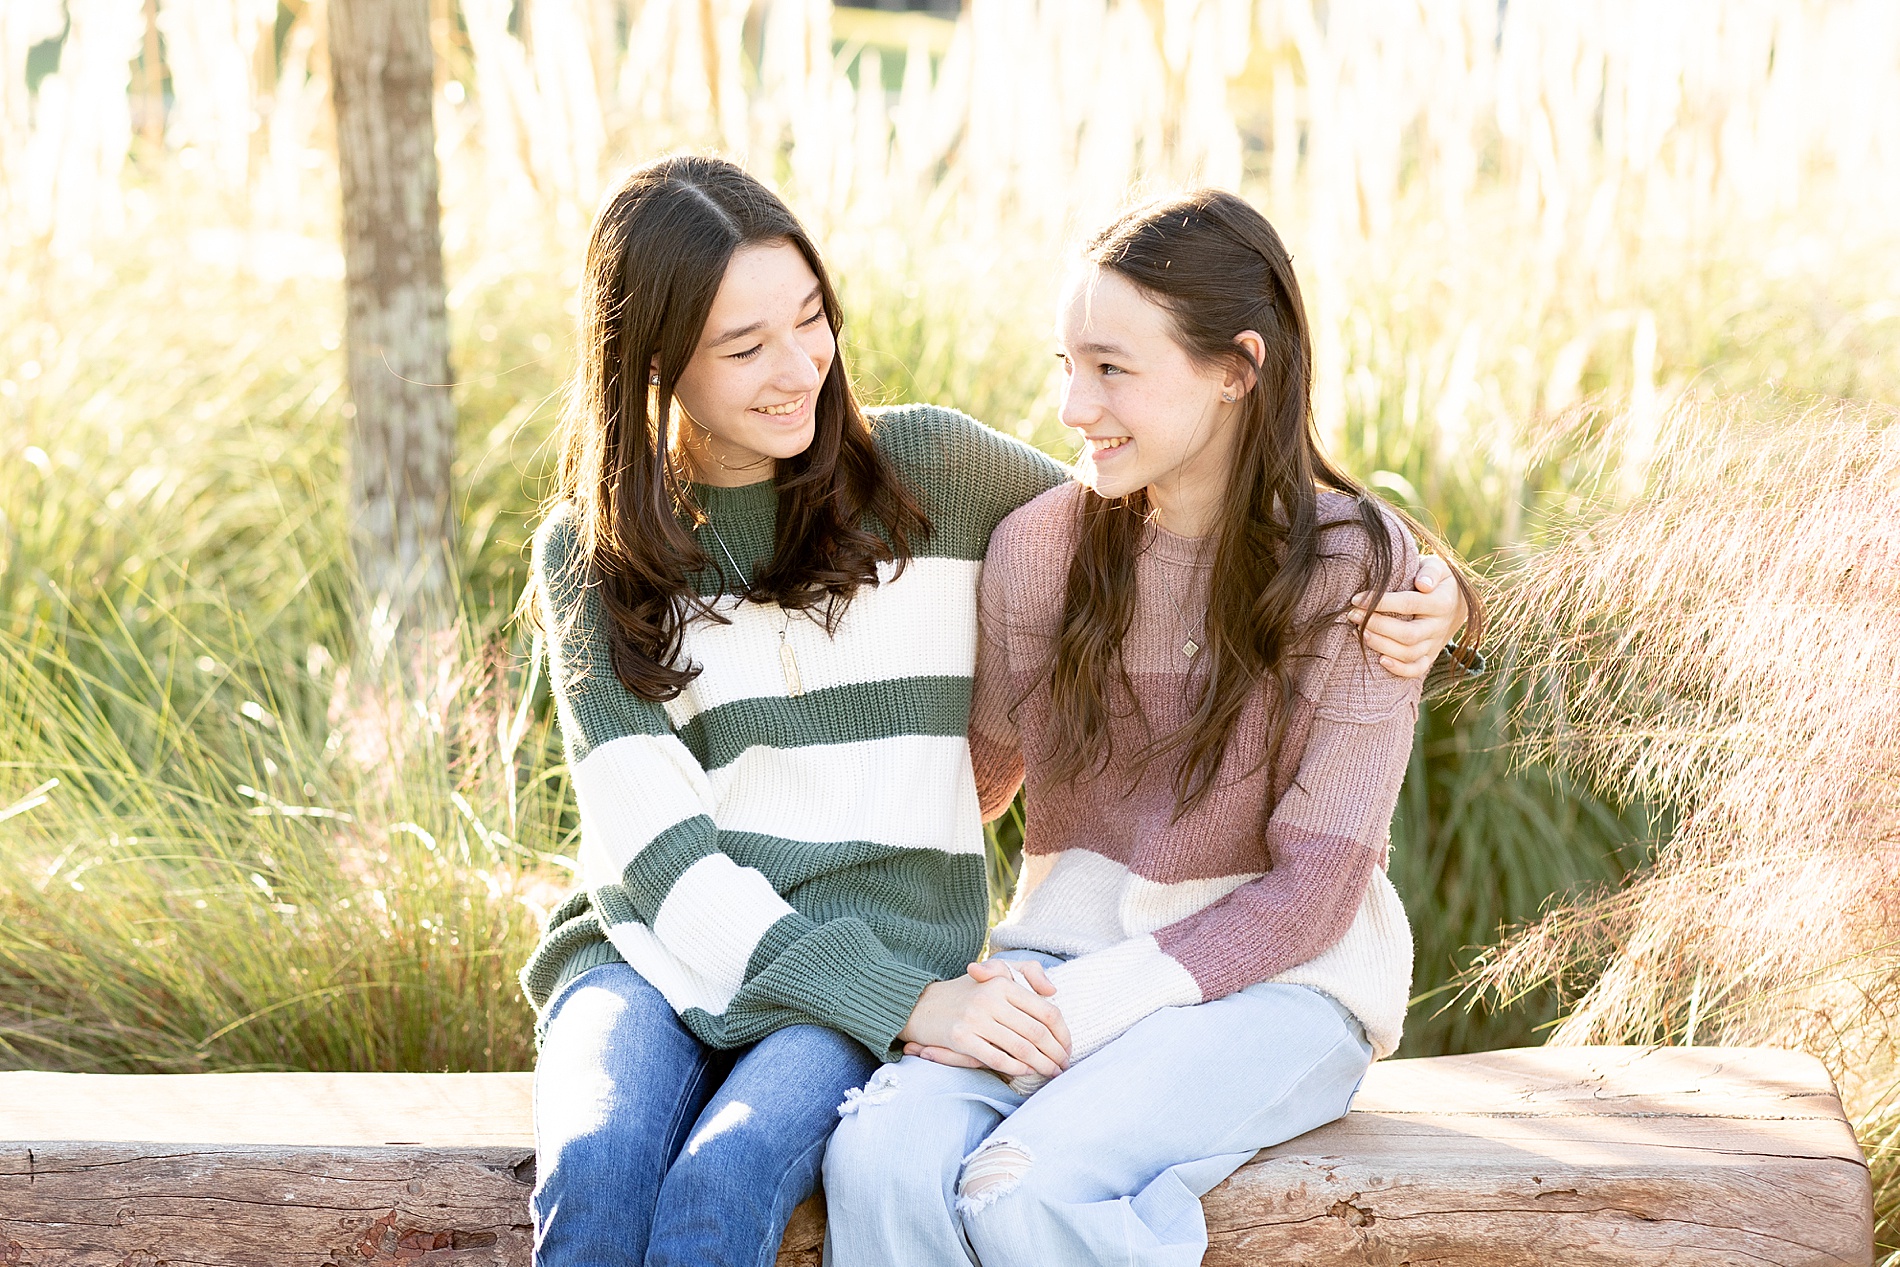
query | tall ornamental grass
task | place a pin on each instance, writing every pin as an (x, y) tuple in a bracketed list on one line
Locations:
[(1727, 644), (219, 848)]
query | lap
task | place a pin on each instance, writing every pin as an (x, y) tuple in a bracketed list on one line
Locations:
[(1187, 1083), (616, 1058)]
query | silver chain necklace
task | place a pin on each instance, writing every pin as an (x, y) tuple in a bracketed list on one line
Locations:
[(1188, 647), (787, 662)]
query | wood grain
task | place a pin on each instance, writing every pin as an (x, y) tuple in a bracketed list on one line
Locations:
[(1579, 1156)]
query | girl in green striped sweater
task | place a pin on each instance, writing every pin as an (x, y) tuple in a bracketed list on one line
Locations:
[(761, 608)]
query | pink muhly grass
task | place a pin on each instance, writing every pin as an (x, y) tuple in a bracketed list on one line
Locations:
[(1729, 642)]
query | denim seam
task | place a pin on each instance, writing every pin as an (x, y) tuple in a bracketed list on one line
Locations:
[(688, 1093), (1345, 1040), (768, 1254)]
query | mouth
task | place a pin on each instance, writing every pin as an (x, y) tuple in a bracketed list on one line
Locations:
[(1099, 445), (789, 409)]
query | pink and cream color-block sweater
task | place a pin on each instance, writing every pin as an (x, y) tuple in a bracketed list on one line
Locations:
[(1278, 874)]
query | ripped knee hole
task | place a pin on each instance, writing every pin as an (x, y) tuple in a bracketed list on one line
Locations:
[(990, 1173), (879, 1090)]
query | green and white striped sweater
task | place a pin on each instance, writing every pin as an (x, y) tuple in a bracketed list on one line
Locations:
[(767, 860)]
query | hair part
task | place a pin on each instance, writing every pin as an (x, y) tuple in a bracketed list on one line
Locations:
[(658, 253), (1218, 268)]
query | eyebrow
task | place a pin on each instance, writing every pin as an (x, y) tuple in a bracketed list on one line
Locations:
[(1101, 349), (756, 326)]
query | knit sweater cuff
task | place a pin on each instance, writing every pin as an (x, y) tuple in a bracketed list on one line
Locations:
[(1104, 992), (841, 975)]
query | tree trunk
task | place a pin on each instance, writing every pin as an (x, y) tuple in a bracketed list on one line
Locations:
[(402, 432)]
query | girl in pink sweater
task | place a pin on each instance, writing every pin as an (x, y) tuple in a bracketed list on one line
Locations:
[(1169, 659)]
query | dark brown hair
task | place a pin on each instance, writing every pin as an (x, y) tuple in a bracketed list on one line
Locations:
[(1218, 268), (658, 253)]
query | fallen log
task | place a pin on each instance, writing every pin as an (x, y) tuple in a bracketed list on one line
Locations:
[(1580, 1156)]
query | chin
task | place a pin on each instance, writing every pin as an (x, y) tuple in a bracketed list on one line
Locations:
[(1109, 488), (786, 446)]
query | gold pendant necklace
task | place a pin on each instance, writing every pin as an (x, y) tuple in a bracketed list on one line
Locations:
[(787, 662)]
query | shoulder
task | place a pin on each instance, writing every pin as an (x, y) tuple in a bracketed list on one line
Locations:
[(968, 475), (1025, 573), (1040, 533), (938, 436), (557, 538), (920, 433), (1349, 552), (560, 560)]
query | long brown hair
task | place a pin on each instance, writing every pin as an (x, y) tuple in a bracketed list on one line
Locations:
[(1218, 268), (658, 253)]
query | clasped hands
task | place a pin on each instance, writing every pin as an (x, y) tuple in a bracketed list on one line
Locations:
[(991, 1018)]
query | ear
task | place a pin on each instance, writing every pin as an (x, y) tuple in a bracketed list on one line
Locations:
[(1240, 381)]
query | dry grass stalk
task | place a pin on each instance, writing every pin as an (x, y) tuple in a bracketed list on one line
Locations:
[(1731, 642)]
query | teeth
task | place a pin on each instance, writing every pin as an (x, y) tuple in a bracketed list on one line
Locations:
[(1113, 442), (779, 411)]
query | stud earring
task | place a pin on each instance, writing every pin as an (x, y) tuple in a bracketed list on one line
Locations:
[(1226, 396), (653, 379)]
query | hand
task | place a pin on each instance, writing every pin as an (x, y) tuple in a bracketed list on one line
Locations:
[(1410, 627), (991, 1018)]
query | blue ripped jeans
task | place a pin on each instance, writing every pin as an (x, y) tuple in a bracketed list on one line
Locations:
[(941, 1167), (652, 1148)]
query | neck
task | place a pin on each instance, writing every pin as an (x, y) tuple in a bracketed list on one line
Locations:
[(1185, 507), (709, 460)]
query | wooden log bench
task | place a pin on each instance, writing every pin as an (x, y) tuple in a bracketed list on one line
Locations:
[(1578, 1156)]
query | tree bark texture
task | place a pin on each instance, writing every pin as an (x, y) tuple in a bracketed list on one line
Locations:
[(402, 431), (1582, 1156)]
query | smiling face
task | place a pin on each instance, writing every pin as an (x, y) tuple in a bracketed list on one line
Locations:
[(750, 389), (1151, 416)]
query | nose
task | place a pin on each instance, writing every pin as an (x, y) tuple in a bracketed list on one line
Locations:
[(1080, 406), (800, 370)]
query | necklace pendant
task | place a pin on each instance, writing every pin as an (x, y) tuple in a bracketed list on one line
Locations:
[(788, 665), (1189, 647)]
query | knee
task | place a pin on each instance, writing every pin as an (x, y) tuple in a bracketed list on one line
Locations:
[(997, 1169), (882, 1149), (578, 1150), (1009, 1213)]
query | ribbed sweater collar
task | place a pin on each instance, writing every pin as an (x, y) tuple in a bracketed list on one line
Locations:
[(1172, 548)]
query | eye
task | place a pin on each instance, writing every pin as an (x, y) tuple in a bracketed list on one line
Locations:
[(812, 320), (1066, 367), (1106, 368), (748, 354)]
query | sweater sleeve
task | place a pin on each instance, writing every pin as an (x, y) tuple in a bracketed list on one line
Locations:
[(996, 752), (1324, 837), (730, 946), (971, 476)]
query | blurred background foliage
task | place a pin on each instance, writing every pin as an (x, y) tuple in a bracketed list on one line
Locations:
[(1526, 233)]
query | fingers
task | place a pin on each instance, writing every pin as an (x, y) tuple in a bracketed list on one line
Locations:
[(1037, 978), (993, 1054), (1432, 572), (1432, 597), (1051, 1016), (1028, 1040), (1405, 639), (1043, 1016), (1407, 668), (1031, 975), (943, 1056), (1028, 1025)]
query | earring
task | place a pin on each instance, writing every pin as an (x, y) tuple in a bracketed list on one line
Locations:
[(1226, 396), (654, 379)]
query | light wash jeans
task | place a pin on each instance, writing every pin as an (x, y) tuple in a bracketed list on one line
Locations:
[(935, 1166), (652, 1148)]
